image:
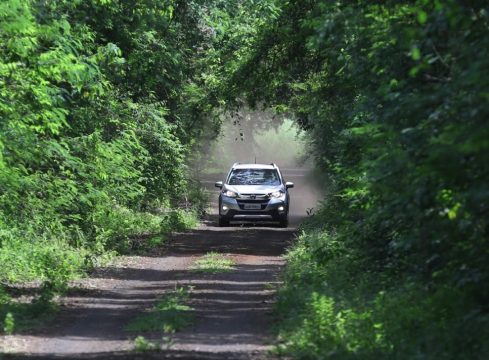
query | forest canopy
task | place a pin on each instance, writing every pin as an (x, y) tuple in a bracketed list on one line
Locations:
[(394, 98), (103, 103), (100, 105)]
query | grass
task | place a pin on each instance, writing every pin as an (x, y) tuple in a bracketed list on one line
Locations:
[(169, 315), (15, 317), (213, 263), (141, 344)]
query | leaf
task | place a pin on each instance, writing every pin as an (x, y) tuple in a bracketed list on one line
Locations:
[(415, 53), (422, 17)]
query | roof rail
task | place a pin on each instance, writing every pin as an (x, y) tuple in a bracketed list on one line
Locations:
[(236, 163)]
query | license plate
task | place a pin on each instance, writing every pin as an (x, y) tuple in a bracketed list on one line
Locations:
[(252, 206)]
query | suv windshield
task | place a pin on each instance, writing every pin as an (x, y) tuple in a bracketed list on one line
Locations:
[(254, 177)]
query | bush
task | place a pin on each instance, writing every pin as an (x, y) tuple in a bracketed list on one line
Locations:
[(393, 97), (337, 305), (179, 220), (92, 144), (27, 259)]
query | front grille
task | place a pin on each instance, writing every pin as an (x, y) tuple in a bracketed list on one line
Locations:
[(243, 202), (254, 196)]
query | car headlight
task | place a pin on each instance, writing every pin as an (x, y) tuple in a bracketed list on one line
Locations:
[(230, 194), (277, 194)]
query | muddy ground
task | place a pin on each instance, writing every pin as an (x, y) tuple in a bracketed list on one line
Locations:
[(232, 310)]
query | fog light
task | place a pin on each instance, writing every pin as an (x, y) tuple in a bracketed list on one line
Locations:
[(224, 207), (280, 208)]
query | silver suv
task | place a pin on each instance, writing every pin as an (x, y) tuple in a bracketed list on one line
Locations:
[(254, 192)]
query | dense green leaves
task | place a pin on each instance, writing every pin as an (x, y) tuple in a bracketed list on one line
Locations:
[(394, 98), (396, 108), (102, 103), (95, 128)]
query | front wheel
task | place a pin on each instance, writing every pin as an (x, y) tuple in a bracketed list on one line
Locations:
[(284, 221), (223, 221)]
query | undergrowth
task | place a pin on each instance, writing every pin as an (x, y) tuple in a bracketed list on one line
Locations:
[(54, 262), (94, 141), (337, 304), (16, 317), (141, 344)]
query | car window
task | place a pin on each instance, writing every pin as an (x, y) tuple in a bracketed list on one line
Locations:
[(254, 177)]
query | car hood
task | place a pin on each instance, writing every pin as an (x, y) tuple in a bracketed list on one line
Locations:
[(254, 189)]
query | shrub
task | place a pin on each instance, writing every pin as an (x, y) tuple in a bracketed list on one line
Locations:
[(336, 305)]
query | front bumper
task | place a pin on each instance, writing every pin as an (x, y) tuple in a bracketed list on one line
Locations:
[(250, 209)]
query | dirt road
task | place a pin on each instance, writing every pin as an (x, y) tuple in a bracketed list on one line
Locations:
[(232, 310)]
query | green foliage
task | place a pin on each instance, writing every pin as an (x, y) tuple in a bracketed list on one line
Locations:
[(101, 103), (141, 344), (180, 220), (9, 324), (41, 259), (18, 316), (400, 132), (169, 315), (337, 304), (213, 263), (118, 227), (197, 196), (393, 96)]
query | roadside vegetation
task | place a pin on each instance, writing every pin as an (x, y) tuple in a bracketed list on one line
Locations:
[(394, 98), (100, 108)]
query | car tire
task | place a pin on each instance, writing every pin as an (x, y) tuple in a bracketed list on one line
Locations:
[(223, 221), (284, 221)]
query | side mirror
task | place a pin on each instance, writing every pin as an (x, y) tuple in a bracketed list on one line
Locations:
[(218, 184), (289, 185)]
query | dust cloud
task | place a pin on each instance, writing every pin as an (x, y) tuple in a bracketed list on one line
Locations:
[(259, 136)]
